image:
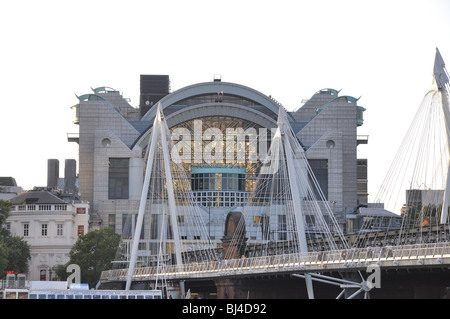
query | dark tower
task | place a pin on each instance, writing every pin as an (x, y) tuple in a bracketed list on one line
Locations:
[(153, 89), (52, 173)]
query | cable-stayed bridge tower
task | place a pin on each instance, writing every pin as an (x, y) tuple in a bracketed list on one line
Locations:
[(167, 197), (442, 86)]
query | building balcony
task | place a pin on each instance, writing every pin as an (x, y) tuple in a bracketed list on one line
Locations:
[(73, 137), (39, 208)]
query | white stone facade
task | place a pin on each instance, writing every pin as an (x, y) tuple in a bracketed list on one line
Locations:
[(50, 229)]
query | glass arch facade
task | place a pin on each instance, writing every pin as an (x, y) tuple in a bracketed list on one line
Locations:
[(221, 155)]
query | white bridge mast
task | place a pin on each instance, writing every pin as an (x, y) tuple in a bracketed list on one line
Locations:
[(441, 80), (159, 134), (282, 132)]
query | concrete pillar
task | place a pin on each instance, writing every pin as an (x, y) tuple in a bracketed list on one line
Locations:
[(173, 290), (228, 289), (136, 177)]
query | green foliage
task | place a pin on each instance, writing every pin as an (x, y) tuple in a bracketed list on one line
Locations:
[(3, 258), (93, 252), (18, 254), (5, 208), (14, 251)]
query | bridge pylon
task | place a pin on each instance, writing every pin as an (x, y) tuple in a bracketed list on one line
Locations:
[(159, 138), (442, 85)]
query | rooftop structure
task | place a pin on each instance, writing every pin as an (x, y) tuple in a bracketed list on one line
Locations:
[(8, 188)]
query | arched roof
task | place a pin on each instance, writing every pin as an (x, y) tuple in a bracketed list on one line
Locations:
[(343, 98), (213, 108), (214, 88), (328, 91), (103, 89), (206, 110)]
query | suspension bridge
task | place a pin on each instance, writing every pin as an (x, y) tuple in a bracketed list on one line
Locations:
[(286, 191)]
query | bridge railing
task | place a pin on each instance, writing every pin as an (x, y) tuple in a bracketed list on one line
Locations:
[(286, 261)]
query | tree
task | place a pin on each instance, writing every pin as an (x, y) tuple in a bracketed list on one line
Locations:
[(14, 251), (4, 212), (18, 254), (5, 208), (3, 258), (93, 252)]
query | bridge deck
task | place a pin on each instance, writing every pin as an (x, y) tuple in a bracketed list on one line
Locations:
[(405, 256)]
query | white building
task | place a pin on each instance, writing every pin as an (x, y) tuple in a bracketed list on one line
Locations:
[(50, 226)]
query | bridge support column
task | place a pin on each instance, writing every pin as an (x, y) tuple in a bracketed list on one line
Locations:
[(349, 291), (229, 289), (174, 291)]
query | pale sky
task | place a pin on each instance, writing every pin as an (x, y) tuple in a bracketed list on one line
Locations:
[(382, 51)]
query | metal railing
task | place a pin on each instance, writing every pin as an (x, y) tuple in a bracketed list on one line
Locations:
[(13, 284), (351, 258)]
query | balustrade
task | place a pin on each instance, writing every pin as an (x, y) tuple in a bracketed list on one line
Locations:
[(286, 262)]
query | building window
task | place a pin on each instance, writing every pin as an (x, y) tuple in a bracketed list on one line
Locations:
[(59, 229), (282, 227), (129, 225), (43, 275), (256, 220), (44, 229), (112, 221), (320, 171), (80, 230), (154, 226), (118, 178), (26, 230)]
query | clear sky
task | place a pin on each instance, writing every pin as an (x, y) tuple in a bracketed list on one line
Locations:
[(382, 51)]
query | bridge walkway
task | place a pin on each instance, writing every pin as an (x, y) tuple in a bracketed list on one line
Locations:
[(353, 259)]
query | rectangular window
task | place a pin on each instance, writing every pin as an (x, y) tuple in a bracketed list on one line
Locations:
[(112, 221), (129, 226), (80, 230), (44, 229), (320, 171), (26, 230), (59, 229), (282, 235), (256, 220), (118, 178), (154, 226)]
